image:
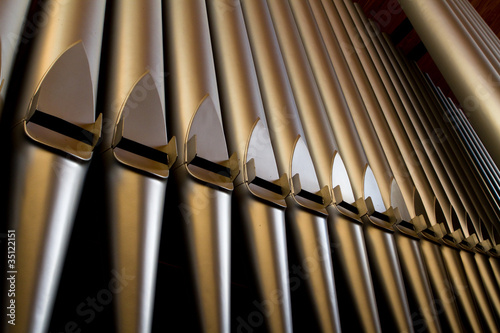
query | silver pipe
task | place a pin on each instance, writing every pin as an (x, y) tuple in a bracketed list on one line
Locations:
[(464, 66), (54, 133), (259, 190), (12, 17), (203, 172), (136, 155), (307, 202), (476, 33)]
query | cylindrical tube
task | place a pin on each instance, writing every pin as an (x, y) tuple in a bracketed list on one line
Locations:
[(259, 190), (306, 220), (466, 69), (13, 14), (136, 155), (48, 175), (203, 172)]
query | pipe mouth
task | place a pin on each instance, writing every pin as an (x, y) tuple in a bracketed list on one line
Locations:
[(61, 113), (438, 212), (397, 201), (471, 229), (372, 190), (140, 136), (455, 221), (419, 206)]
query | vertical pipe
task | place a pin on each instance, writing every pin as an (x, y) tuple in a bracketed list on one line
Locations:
[(261, 208), (305, 219), (13, 14), (380, 241), (203, 173), (49, 174), (136, 155), (468, 72)]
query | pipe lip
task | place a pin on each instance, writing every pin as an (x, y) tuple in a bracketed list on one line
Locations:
[(62, 123)]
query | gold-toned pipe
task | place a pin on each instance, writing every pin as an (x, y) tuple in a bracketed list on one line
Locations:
[(401, 138), (464, 66), (480, 258), (446, 173), (472, 146), (495, 266), (478, 22), (343, 27), (12, 16), (443, 145), (396, 117), (437, 276), (312, 112), (476, 283), (203, 172), (487, 274), (136, 155), (259, 190), (438, 117), (476, 35), (461, 287), (419, 287), (385, 266), (305, 213), (54, 133), (412, 123), (490, 167)]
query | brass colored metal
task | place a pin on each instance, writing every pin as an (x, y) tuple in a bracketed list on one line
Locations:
[(12, 16), (478, 22), (135, 175), (469, 73), (463, 180), (475, 35), (366, 90), (305, 220), (261, 210), (467, 258), (405, 136), (412, 123), (47, 182), (450, 319), (455, 144), (379, 239), (203, 172), (461, 288), (495, 266), (415, 270), (475, 281), (476, 154), (489, 166), (312, 113)]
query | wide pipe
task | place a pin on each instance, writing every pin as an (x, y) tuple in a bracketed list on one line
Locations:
[(50, 162), (12, 17), (465, 67), (135, 182)]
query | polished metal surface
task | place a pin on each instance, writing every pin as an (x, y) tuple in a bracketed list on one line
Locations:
[(48, 180), (318, 180), (135, 186), (261, 210), (205, 195), (466, 68), (12, 16), (305, 219)]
